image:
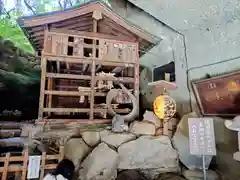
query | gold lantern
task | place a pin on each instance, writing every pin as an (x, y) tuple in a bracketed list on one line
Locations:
[(164, 107)]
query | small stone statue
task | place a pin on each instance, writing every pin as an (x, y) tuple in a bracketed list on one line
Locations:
[(118, 124), (234, 125)]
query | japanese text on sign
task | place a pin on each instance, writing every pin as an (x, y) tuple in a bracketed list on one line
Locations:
[(33, 167), (201, 136)]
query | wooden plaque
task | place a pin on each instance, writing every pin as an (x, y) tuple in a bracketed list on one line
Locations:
[(219, 96)]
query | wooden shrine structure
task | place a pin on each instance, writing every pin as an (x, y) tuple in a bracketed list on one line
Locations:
[(84, 51)]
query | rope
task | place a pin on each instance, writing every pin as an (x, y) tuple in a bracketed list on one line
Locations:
[(113, 93)]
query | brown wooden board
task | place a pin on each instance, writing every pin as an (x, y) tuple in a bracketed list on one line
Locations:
[(219, 96)]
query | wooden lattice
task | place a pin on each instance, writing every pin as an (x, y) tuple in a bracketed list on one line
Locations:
[(18, 165), (78, 71)]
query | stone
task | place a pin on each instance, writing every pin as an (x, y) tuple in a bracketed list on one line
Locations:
[(118, 124), (130, 175), (170, 176), (91, 138), (116, 139), (159, 132), (76, 150), (148, 152), (152, 174), (181, 144), (183, 124), (100, 164), (198, 175), (142, 128), (152, 118)]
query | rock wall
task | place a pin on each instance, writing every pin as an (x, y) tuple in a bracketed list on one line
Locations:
[(136, 154), (103, 155), (19, 82)]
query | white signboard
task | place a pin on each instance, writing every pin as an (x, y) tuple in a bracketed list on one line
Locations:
[(33, 167), (201, 136)]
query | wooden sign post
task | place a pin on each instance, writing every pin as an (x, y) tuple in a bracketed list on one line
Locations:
[(202, 138)]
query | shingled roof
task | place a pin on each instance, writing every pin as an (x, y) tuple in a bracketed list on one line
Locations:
[(80, 19)]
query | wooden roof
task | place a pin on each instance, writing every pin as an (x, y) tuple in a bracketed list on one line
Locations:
[(81, 19)]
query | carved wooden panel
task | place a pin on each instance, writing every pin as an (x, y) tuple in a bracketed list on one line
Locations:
[(117, 51), (219, 95)]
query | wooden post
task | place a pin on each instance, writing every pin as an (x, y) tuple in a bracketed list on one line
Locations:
[(6, 163), (61, 153), (42, 165), (50, 87), (136, 77), (42, 88), (25, 163), (91, 117)]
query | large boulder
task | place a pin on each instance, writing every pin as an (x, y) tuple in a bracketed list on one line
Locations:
[(170, 176), (92, 138), (181, 143), (152, 174), (183, 124), (152, 118), (101, 164), (76, 150), (130, 175), (198, 175), (116, 139), (148, 153), (142, 128)]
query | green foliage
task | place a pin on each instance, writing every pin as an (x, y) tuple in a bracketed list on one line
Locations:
[(10, 30)]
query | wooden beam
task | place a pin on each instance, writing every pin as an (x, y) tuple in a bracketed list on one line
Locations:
[(21, 168), (83, 110), (60, 16), (91, 117), (121, 79), (97, 15), (6, 164), (84, 34), (66, 110), (72, 122), (49, 97), (42, 87), (21, 158), (73, 59), (85, 77), (74, 93), (68, 76)]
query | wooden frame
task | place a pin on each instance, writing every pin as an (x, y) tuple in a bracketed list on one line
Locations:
[(216, 86), (22, 169), (55, 50)]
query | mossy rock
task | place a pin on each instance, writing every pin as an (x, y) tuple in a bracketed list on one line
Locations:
[(9, 44)]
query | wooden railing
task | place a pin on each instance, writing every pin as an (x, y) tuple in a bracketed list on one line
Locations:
[(18, 165)]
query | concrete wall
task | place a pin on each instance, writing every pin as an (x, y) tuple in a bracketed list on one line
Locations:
[(195, 34), (171, 48), (201, 36)]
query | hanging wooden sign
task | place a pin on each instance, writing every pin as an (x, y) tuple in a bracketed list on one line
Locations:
[(219, 96)]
